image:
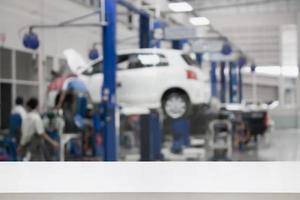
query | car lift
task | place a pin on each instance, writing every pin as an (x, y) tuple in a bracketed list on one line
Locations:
[(151, 135), (235, 78), (109, 83), (108, 22), (180, 127)]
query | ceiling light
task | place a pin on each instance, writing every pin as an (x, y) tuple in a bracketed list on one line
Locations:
[(199, 21), (274, 71), (180, 6)]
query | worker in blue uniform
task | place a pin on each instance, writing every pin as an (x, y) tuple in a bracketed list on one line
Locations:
[(80, 91), (18, 114)]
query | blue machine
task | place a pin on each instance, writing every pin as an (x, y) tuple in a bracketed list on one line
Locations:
[(156, 135), (8, 149), (14, 135), (213, 79), (241, 62), (180, 131), (98, 148), (180, 127), (223, 82), (233, 83), (151, 137), (8, 143)]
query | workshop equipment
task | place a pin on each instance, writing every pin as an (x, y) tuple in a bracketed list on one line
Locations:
[(151, 139), (54, 126), (180, 131), (220, 140)]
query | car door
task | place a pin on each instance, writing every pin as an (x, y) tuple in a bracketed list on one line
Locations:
[(137, 78)]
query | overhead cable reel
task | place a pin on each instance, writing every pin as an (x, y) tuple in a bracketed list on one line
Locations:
[(31, 40), (242, 61), (226, 49), (93, 54), (94, 51)]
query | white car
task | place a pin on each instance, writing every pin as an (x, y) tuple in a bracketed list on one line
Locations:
[(151, 78)]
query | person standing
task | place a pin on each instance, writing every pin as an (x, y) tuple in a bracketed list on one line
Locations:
[(17, 116), (19, 108), (33, 137)]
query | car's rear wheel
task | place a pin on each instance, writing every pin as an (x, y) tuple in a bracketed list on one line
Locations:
[(176, 105)]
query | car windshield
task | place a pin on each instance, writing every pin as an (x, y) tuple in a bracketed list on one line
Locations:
[(190, 59), (131, 61), (98, 66), (95, 69)]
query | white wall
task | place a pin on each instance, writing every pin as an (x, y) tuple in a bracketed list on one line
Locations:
[(16, 15)]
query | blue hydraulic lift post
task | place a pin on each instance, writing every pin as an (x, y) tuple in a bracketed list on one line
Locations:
[(199, 58), (152, 140), (145, 33), (180, 127), (156, 43), (213, 78), (233, 82), (177, 44), (240, 84), (109, 83), (222, 82)]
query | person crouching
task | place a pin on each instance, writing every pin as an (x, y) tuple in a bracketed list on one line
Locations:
[(33, 136)]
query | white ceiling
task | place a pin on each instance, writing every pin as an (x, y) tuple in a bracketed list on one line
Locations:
[(253, 25)]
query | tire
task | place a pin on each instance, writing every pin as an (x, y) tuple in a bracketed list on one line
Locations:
[(176, 105)]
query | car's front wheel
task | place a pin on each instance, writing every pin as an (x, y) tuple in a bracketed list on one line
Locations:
[(176, 105)]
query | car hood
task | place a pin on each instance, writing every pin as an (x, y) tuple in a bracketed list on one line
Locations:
[(76, 62)]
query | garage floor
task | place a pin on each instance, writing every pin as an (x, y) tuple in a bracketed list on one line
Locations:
[(279, 145)]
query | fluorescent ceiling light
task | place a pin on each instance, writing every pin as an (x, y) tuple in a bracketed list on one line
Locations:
[(275, 71), (199, 21), (180, 6)]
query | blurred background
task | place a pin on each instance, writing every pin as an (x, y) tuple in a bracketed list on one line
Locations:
[(247, 51)]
